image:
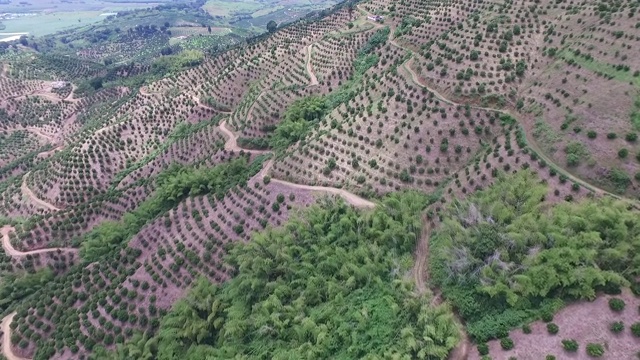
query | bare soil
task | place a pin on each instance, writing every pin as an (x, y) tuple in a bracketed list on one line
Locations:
[(586, 322)]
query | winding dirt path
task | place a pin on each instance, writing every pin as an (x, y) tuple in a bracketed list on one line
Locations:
[(145, 92), (70, 97), (200, 104), (34, 199), (312, 75), (351, 198), (45, 154), (530, 141), (232, 141), (4, 71), (250, 112), (11, 251), (421, 278), (6, 338), (41, 134)]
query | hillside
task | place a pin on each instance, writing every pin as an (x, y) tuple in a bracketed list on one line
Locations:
[(414, 179)]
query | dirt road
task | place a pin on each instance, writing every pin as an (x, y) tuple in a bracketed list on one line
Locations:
[(312, 75), (530, 141), (6, 338), (11, 251), (40, 133), (351, 198), (232, 141), (34, 199)]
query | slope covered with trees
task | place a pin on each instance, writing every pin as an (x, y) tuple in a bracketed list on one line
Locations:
[(504, 257), (175, 197), (329, 283)]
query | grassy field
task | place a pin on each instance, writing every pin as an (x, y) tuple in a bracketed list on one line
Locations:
[(228, 8), (52, 16), (49, 23), (193, 30)]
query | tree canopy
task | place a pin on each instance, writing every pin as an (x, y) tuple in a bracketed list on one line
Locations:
[(329, 284), (503, 257), (272, 26)]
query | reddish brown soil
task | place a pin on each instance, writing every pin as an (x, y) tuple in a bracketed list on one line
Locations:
[(586, 322)]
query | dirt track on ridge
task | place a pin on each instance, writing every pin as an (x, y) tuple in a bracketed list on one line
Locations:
[(34, 199), (6, 338), (530, 141), (11, 251), (312, 75), (351, 198)]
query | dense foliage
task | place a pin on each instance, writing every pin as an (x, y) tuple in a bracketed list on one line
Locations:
[(14, 287), (298, 120), (503, 258), (171, 64), (326, 285)]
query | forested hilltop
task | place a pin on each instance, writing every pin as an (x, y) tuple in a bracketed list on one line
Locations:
[(404, 180)]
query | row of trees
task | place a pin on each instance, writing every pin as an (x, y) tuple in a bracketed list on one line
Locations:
[(174, 185), (329, 284)]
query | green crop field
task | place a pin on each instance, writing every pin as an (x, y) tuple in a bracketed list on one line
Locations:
[(227, 8)]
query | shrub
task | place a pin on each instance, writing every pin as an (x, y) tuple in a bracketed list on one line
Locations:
[(483, 349), (552, 328), (616, 304), (547, 316), (592, 134), (526, 329), (631, 137), (550, 357), (616, 327), (506, 343), (266, 180), (635, 329), (570, 345), (595, 350), (611, 136), (623, 153)]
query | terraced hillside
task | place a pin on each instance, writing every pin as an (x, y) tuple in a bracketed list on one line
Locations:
[(408, 179)]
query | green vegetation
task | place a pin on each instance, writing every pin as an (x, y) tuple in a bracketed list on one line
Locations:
[(364, 61), (502, 260), (570, 345), (617, 327), (351, 303), (174, 184), (576, 153), (595, 350), (506, 343), (545, 135), (616, 304), (171, 64), (15, 287), (301, 116), (297, 121), (619, 179)]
